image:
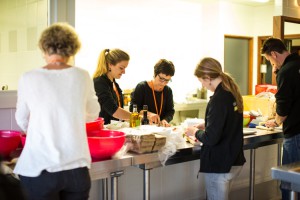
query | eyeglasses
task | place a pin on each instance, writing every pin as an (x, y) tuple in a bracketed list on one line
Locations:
[(161, 79)]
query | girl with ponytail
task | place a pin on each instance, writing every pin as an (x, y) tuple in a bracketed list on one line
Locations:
[(111, 66), (221, 134)]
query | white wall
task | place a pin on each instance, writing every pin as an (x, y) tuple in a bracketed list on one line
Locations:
[(21, 23), (148, 31), (181, 31)]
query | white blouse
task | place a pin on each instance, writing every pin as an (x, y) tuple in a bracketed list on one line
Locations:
[(52, 108)]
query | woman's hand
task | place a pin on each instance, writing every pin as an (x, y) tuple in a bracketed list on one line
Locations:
[(201, 126), (153, 118), (164, 123), (191, 130)]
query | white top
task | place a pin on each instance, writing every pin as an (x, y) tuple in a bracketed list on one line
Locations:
[(52, 107)]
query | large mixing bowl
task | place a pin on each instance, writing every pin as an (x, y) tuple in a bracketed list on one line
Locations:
[(104, 144), (9, 142), (23, 140), (94, 125)]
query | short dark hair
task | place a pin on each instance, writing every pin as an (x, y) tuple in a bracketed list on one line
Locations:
[(165, 67), (273, 44)]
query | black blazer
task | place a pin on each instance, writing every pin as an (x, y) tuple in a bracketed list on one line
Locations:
[(223, 136), (107, 97)]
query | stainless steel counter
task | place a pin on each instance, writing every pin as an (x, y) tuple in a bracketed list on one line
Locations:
[(289, 173), (151, 160), (8, 98), (259, 139), (107, 168), (262, 138), (190, 152), (114, 167)]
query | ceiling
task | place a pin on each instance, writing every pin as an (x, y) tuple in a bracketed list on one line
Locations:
[(252, 2)]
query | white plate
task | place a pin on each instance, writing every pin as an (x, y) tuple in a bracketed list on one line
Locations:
[(248, 131)]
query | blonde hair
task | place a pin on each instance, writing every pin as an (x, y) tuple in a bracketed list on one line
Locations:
[(60, 39), (210, 67), (107, 57)]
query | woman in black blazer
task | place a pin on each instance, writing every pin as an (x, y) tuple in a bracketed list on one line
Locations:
[(221, 157), (111, 66)]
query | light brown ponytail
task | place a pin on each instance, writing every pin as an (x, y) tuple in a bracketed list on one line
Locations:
[(230, 85), (107, 57), (212, 68)]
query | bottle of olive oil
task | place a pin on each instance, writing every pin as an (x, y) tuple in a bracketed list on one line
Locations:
[(145, 119), (134, 117)]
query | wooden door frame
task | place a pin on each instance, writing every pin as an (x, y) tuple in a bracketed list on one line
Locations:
[(278, 25), (250, 58), (260, 40)]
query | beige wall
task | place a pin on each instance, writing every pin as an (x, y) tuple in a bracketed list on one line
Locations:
[(21, 23)]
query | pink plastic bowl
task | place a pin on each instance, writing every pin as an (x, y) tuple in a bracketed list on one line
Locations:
[(23, 139), (104, 144), (9, 142), (96, 125)]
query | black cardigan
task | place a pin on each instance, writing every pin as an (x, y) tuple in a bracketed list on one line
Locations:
[(223, 136), (107, 97), (143, 95)]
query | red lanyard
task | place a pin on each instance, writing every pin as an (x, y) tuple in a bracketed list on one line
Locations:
[(161, 101), (117, 93)]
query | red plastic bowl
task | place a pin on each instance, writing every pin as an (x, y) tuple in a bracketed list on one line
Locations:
[(96, 125), (23, 139), (104, 144), (9, 142)]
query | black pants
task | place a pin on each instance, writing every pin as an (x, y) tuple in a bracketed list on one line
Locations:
[(72, 184), (10, 188)]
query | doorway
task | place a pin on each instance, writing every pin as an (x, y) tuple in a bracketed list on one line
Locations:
[(292, 43), (238, 59)]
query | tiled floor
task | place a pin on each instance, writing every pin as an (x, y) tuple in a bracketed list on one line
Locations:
[(263, 191)]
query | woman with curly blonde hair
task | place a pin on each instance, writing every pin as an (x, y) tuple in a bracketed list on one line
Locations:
[(54, 103)]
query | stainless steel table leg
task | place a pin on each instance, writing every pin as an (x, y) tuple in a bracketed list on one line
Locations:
[(114, 188), (146, 184), (293, 195), (114, 184), (105, 189), (252, 174)]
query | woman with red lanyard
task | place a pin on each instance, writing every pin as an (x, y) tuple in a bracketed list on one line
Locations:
[(156, 94), (111, 66)]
